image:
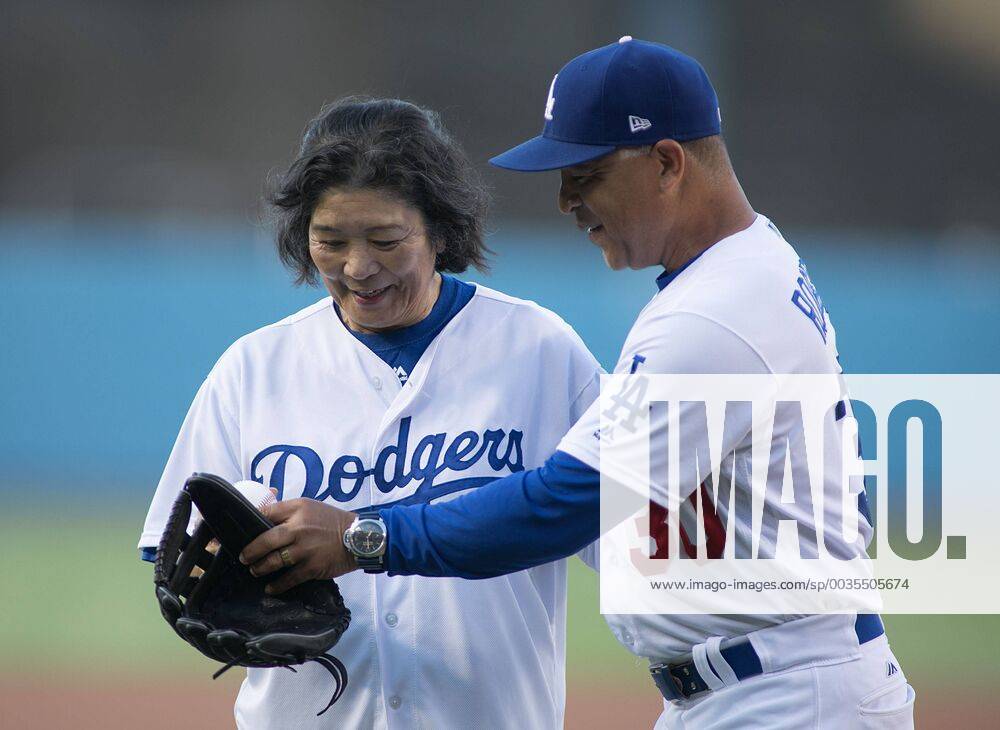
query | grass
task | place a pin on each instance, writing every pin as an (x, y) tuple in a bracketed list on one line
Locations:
[(73, 589)]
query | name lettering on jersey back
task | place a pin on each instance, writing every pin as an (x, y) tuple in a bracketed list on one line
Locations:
[(808, 301), (397, 466)]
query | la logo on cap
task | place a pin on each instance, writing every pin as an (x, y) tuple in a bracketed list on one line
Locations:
[(551, 101)]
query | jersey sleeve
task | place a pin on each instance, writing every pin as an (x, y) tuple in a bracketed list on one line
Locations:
[(209, 441), (588, 395), (583, 372), (543, 514), (677, 343), (540, 515)]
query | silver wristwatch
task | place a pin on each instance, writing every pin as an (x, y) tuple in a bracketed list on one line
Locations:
[(366, 540)]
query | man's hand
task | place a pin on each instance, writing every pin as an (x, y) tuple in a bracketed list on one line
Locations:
[(309, 536)]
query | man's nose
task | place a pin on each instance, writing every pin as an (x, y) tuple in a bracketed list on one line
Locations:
[(569, 200), (360, 264)]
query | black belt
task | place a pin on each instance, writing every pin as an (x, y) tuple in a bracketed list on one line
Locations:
[(681, 681)]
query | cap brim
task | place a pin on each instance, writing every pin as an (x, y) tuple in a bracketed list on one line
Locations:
[(543, 153)]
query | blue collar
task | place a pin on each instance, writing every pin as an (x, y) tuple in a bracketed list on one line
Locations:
[(668, 276), (453, 296)]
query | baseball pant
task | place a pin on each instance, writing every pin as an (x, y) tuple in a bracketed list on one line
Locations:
[(868, 691)]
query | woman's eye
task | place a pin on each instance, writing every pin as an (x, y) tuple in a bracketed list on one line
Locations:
[(385, 244), (330, 244)]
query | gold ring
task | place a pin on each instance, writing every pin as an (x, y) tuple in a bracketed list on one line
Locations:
[(286, 559)]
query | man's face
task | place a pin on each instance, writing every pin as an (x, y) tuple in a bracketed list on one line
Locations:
[(616, 199)]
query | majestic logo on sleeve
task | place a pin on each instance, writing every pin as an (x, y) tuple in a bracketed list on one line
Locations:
[(430, 463)]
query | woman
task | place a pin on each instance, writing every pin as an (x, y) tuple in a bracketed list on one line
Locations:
[(386, 392)]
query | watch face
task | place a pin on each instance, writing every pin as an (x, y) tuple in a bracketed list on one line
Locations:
[(368, 538)]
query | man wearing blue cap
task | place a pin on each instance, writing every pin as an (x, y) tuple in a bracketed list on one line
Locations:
[(634, 128)]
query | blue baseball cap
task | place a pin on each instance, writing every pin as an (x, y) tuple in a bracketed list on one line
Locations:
[(630, 93)]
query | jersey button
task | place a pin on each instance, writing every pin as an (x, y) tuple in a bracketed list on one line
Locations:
[(395, 702), (627, 638), (377, 382), (391, 620)]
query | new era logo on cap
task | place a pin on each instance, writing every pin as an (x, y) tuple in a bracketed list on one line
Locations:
[(637, 124)]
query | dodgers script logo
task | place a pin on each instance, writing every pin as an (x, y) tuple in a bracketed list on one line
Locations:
[(396, 467)]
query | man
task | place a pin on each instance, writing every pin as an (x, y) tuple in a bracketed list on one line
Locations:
[(634, 128)]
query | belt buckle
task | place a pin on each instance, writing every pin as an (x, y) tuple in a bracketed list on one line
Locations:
[(694, 681), (678, 688), (670, 687)]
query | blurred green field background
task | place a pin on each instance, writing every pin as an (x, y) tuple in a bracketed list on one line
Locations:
[(76, 598)]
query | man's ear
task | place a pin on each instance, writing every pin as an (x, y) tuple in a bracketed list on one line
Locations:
[(672, 161)]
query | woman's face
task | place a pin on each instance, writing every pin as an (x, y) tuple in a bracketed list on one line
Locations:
[(372, 251)]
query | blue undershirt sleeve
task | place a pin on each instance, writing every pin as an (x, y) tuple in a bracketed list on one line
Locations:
[(526, 519)]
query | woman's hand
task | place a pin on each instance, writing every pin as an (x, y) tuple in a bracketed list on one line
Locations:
[(308, 537)]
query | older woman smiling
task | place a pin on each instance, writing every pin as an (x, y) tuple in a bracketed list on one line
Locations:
[(388, 392)]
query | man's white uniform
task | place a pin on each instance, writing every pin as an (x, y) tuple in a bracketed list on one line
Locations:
[(744, 306), (303, 406), (817, 674)]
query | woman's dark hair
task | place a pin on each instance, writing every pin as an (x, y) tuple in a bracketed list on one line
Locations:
[(392, 146)]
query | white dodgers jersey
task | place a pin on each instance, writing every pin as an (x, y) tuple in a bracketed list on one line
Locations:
[(303, 406), (744, 306)]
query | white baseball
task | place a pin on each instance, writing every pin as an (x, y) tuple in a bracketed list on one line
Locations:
[(258, 495)]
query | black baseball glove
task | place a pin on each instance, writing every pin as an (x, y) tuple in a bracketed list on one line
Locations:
[(224, 611)]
